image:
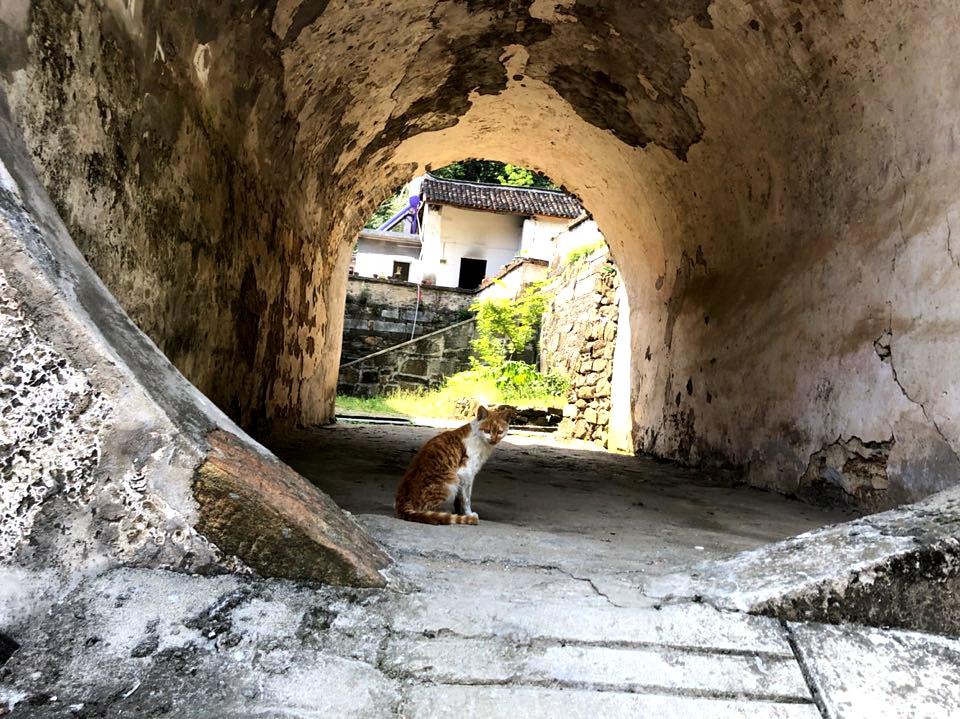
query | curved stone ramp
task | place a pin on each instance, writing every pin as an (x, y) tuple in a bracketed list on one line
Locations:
[(900, 568), (109, 455)]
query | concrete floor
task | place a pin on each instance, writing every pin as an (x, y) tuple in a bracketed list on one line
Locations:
[(540, 611), (614, 519)]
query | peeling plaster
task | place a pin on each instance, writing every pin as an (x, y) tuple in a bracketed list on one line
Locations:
[(803, 166)]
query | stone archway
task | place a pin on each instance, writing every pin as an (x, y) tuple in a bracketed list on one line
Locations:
[(774, 183)]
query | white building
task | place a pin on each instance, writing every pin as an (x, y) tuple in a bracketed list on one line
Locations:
[(456, 234)]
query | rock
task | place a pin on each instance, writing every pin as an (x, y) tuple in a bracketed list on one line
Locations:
[(257, 508)]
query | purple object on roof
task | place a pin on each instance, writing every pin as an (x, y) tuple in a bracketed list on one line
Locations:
[(408, 215)]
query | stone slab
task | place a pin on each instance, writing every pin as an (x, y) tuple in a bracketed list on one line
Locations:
[(687, 625), (426, 702), (881, 674), (900, 568), (259, 509), (456, 660)]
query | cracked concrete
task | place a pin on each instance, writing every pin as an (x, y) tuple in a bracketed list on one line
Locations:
[(542, 610)]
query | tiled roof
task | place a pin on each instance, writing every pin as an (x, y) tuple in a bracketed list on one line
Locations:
[(500, 198)]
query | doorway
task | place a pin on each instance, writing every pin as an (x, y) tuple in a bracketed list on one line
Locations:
[(472, 273)]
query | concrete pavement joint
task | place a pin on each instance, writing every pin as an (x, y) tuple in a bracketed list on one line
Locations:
[(535, 642), (654, 689), (805, 671)]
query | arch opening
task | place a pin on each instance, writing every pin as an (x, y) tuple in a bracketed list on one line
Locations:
[(787, 284), (513, 282)]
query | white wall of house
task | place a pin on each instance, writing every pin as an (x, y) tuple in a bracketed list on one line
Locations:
[(431, 253), (376, 264), (473, 234), (449, 234), (378, 251), (582, 235), (539, 235)]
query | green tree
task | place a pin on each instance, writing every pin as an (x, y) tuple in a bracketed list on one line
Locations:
[(505, 327), (517, 176), (493, 172), (388, 208)]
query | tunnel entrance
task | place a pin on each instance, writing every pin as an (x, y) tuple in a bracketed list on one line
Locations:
[(185, 183), (538, 329)]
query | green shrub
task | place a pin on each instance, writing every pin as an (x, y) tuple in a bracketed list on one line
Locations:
[(505, 327), (581, 253), (518, 380)]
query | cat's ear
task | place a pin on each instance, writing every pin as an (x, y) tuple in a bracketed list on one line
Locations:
[(482, 413)]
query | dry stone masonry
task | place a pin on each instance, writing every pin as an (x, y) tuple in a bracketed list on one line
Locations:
[(383, 313), (414, 365), (578, 338)]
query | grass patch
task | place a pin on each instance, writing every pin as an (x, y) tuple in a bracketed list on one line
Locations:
[(441, 403)]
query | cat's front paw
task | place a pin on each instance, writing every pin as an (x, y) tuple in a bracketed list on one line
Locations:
[(472, 518)]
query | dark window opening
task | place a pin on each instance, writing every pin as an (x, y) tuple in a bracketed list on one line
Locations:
[(472, 273), (401, 271)]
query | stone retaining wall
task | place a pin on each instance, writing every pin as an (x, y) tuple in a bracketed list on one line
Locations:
[(422, 363), (578, 338), (572, 312), (380, 313)]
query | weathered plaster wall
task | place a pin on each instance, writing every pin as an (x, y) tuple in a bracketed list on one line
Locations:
[(774, 180), (772, 235), (158, 149)]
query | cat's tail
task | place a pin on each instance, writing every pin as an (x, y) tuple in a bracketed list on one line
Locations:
[(428, 517)]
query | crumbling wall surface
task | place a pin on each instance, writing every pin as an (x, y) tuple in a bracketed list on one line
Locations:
[(108, 455), (147, 125), (772, 179)]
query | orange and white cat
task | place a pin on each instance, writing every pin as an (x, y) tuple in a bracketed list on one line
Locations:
[(445, 468)]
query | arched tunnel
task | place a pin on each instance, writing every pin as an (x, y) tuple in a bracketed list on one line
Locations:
[(181, 185)]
